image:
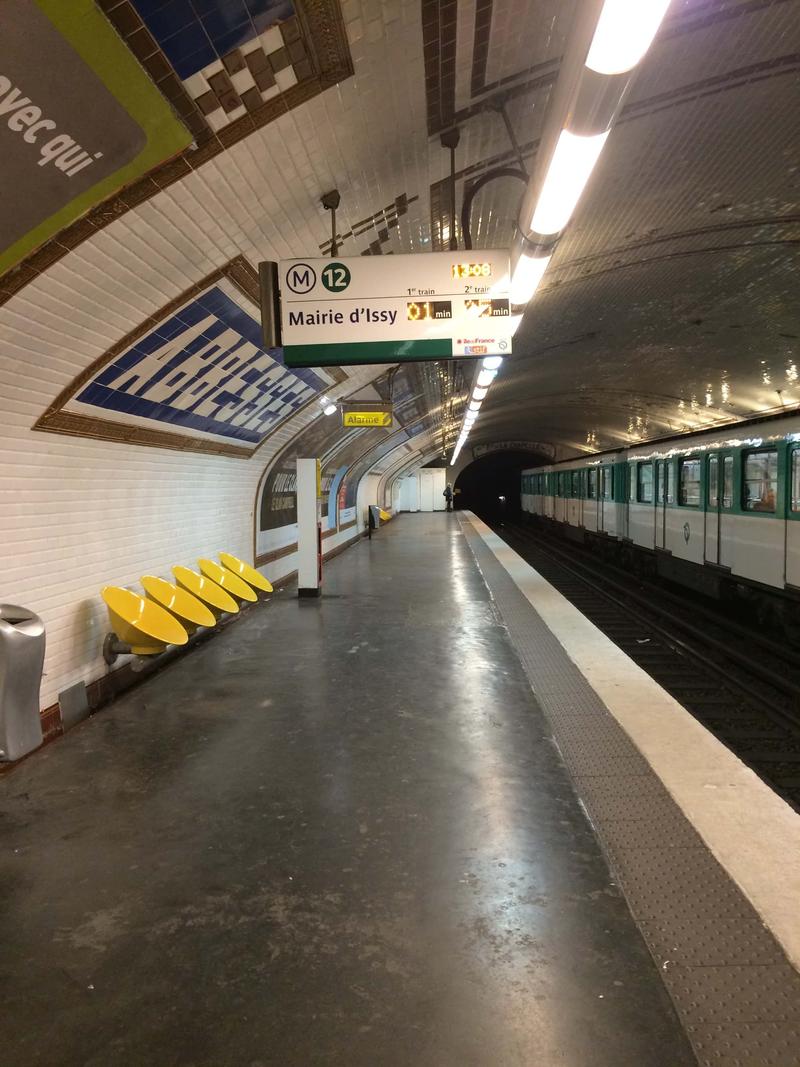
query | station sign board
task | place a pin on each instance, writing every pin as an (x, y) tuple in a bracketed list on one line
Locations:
[(390, 309)]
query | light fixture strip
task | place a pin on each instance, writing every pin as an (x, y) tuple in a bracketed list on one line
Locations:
[(486, 375), (619, 40), (625, 31)]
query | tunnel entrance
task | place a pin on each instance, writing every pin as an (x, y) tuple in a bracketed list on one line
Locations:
[(490, 485)]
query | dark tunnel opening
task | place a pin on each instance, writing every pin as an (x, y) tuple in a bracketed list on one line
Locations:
[(490, 485)]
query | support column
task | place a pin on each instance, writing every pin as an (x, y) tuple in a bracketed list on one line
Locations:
[(309, 528)]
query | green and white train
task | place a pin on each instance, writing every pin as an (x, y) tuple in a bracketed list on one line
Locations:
[(716, 510)]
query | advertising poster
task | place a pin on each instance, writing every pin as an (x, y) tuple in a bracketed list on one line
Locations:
[(79, 119)]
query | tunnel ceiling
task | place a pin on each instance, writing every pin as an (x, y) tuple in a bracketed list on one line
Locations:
[(670, 303)]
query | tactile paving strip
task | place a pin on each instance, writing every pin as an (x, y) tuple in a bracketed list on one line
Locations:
[(737, 995)]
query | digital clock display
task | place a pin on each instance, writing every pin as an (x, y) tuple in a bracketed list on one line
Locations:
[(472, 270), (424, 310)]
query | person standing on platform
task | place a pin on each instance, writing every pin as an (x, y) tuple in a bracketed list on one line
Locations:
[(448, 496)]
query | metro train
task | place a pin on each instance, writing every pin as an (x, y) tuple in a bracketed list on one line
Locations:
[(718, 511)]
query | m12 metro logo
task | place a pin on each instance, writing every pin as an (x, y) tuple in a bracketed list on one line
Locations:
[(301, 278)]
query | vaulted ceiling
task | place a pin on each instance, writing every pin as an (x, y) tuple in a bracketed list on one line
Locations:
[(671, 301)]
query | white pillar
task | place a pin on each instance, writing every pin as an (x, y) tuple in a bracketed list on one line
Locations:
[(309, 528)]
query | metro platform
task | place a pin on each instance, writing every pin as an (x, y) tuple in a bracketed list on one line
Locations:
[(393, 826)]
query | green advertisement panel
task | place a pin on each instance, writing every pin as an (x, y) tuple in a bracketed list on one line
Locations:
[(79, 119)]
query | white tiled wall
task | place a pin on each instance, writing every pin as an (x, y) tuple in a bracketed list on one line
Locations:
[(79, 514)]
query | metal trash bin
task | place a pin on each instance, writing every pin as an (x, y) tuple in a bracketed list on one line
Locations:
[(21, 662)]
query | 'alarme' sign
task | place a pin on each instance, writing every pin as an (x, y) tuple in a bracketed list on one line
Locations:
[(388, 309), (381, 419)]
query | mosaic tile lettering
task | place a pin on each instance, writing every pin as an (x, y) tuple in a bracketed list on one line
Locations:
[(202, 370)]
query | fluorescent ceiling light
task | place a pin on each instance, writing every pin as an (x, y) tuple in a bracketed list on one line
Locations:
[(526, 277), (329, 409), (572, 163), (624, 32), (485, 378), (478, 393), (492, 362), (475, 406)]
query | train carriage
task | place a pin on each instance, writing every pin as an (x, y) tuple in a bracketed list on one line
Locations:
[(717, 510)]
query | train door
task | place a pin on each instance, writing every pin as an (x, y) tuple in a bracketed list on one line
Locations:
[(661, 495), (713, 509), (725, 518), (604, 503)]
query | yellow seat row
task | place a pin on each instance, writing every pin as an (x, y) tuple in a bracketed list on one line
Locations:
[(168, 613)]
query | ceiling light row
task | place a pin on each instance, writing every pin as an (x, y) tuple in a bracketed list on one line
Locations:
[(487, 374), (622, 35)]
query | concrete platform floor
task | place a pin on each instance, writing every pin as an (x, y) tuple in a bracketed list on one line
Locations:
[(335, 834)]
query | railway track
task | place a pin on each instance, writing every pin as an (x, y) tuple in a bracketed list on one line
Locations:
[(738, 682)]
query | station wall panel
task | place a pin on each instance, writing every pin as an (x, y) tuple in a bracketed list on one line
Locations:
[(80, 513)]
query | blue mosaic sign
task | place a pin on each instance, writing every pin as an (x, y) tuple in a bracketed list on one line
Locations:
[(202, 370)]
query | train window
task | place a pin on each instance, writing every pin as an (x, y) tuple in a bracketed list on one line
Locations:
[(760, 480), (644, 490), (576, 483), (727, 481), (713, 481), (591, 484), (607, 482), (632, 481), (689, 483), (796, 480)]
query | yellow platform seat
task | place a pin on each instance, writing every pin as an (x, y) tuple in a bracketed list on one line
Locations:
[(229, 581), (145, 626), (204, 589), (183, 605), (385, 516), (245, 571)]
